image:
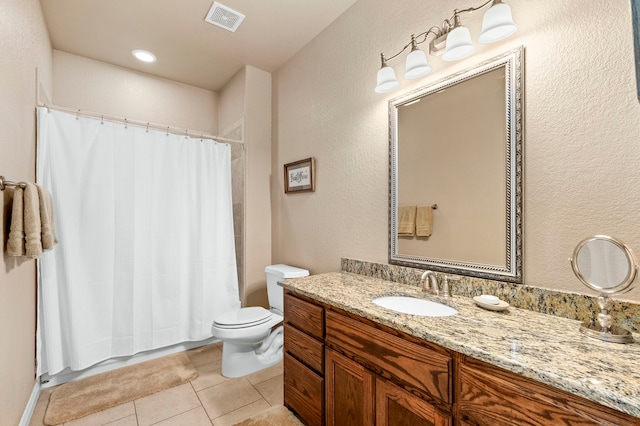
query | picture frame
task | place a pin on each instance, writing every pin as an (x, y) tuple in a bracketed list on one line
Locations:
[(299, 176)]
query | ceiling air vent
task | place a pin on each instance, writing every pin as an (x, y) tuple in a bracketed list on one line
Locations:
[(224, 17)]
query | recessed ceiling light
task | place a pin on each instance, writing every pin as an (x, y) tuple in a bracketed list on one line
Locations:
[(144, 55)]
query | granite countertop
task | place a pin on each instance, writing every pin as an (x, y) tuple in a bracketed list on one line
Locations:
[(546, 348)]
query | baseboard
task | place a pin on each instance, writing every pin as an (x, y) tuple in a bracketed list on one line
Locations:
[(112, 364), (31, 405)]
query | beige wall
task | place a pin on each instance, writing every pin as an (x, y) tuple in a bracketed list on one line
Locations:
[(246, 98), (24, 46), (258, 200), (582, 124), (89, 85)]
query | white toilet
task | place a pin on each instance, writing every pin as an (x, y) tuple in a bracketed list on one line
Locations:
[(250, 342)]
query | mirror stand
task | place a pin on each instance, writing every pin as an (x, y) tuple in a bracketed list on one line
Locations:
[(601, 327), (607, 265)]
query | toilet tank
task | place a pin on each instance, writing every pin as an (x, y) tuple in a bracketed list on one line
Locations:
[(277, 273)]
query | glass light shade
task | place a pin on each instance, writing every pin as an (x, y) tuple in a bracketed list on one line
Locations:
[(458, 44), (387, 80), (416, 65), (497, 24)]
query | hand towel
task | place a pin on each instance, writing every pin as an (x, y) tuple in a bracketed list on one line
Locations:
[(424, 221), (32, 225), (46, 218), (406, 221), (15, 245)]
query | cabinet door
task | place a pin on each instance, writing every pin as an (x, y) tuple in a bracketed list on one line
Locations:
[(349, 391), (397, 407)]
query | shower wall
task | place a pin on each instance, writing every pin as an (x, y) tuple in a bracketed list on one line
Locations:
[(237, 182)]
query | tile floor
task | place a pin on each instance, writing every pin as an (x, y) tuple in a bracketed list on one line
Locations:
[(210, 399)]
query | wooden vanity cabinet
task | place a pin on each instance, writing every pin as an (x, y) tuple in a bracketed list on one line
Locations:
[(342, 369), (487, 395), (304, 359)]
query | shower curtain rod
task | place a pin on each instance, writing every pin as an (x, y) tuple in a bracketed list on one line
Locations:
[(126, 121)]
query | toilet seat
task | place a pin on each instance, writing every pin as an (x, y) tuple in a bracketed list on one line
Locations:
[(243, 318)]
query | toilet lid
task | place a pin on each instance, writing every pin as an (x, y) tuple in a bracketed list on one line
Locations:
[(245, 317)]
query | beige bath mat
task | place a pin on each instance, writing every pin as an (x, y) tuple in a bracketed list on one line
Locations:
[(96, 393), (274, 416)]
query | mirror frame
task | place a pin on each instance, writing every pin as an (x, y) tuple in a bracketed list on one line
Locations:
[(511, 271)]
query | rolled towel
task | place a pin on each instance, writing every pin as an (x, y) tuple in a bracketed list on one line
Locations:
[(406, 221), (32, 225), (46, 218), (15, 244), (424, 221)]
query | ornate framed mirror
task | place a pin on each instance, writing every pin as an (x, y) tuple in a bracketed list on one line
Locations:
[(455, 172)]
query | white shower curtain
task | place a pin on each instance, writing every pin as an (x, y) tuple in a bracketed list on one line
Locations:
[(146, 253)]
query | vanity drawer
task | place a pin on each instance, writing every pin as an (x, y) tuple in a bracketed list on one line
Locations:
[(408, 364), (303, 391), (304, 316), (487, 395), (304, 348)]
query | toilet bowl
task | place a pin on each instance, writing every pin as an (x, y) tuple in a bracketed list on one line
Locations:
[(253, 337)]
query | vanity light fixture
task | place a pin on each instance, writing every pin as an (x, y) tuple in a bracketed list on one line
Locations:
[(452, 40), (144, 55)]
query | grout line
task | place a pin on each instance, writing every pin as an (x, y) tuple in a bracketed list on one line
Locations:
[(164, 420), (135, 410), (201, 404)]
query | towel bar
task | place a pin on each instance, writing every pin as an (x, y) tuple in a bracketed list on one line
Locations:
[(5, 183)]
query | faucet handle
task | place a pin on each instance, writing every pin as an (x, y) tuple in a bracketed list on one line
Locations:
[(445, 284)]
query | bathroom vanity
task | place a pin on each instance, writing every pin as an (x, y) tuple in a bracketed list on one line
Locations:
[(347, 358)]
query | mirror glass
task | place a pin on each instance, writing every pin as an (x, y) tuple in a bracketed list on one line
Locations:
[(604, 264), (456, 173)]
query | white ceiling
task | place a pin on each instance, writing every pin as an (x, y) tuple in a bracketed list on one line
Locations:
[(189, 50)]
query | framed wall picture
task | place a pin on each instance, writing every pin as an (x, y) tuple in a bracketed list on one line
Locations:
[(299, 176)]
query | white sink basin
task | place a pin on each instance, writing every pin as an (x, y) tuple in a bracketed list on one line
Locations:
[(415, 306)]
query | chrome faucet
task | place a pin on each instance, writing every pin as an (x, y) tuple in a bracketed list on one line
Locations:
[(432, 286)]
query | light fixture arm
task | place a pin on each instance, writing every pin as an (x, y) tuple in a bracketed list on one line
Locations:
[(446, 27), (415, 41), (473, 9), (451, 40)]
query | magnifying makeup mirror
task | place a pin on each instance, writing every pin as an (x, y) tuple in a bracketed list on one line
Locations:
[(606, 265)]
